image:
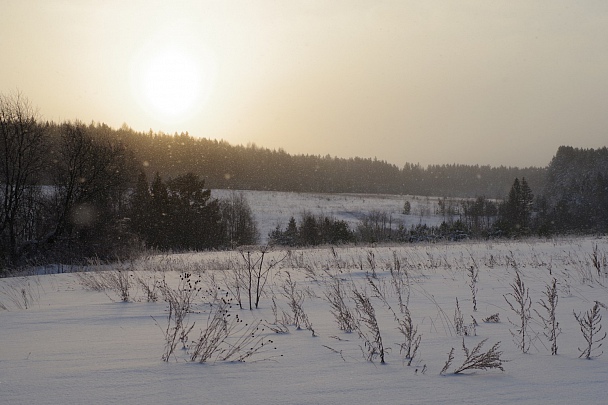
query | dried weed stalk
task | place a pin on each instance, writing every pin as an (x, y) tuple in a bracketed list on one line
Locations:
[(550, 324), (473, 274), (521, 306), (180, 301), (228, 338), (409, 348), (342, 313), (591, 328), (295, 299), (476, 359), (374, 348)]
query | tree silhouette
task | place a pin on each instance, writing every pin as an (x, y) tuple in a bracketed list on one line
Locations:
[(22, 147), (517, 209)]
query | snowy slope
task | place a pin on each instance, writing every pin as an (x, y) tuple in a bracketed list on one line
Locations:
[(272, 208), (72, 345)]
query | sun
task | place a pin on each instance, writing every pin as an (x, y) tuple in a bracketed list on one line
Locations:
[(172, 83)]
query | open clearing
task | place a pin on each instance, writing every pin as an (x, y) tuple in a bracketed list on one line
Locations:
[(272, 208), (62, 342)]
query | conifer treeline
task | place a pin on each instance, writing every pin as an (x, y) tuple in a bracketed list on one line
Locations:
[(253, 168), (576, 193), (100, 203)]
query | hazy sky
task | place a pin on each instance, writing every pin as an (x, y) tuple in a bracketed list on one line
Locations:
[(500, 82)]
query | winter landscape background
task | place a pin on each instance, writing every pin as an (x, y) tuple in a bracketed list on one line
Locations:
[(272, 208), (272, 202), (75, 338)]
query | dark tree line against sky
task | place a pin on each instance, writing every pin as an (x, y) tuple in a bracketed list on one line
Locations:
[(251, 167), (71, 191)]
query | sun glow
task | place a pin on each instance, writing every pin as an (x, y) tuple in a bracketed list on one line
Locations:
[(172, 83)]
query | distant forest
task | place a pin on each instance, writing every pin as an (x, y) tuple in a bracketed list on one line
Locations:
[(73, 191), (237, 167)]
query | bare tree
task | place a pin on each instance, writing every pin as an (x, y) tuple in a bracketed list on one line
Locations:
[(238, 221), (91, 175), (22, 144)]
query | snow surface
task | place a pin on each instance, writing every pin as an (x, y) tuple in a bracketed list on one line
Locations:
[(272, 208), (72, 345)]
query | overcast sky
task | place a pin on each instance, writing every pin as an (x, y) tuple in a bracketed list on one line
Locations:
[(428, 81)]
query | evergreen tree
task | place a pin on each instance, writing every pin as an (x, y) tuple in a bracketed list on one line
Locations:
[(157, 235), (141, 201), (194, 217), (525, 205), (341, 232), (517, 209), (291, 233), (309, 234), (312, 231)]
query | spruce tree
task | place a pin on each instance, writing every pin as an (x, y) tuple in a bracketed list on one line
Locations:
[(525, 206), (195, 217), (291, 233), (159, 214), (140, 206), (516, 210)]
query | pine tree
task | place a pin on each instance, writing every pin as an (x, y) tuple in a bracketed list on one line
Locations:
[(509, 214), (291, 233), (517, 209), (309, 231), (140, 206), (159, 214), (525, 206), (195, 217)]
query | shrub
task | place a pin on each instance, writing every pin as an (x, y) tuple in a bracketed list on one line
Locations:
[(21, 292), (254, 272), (118, 282), (180, 301), (228, 338)]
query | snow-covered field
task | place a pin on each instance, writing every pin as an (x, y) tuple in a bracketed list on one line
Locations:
[(272, 208), (62, 342)]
